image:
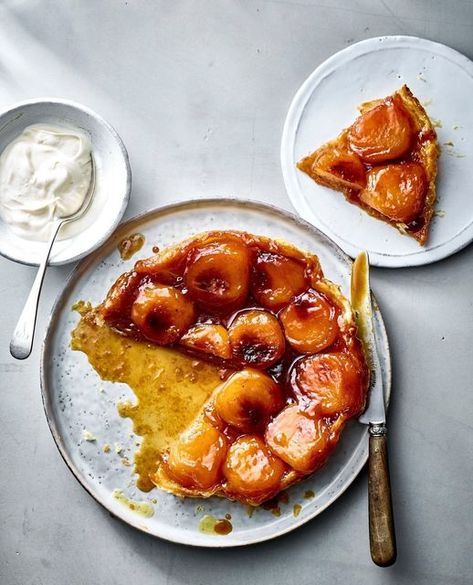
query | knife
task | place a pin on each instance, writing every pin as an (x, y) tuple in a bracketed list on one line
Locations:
[(381, 523)]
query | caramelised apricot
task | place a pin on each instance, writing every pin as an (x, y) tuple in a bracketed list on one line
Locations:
[(329, 383), (310, 322), (276, 279), (162, 313), (165, 267), (344, 164), (382, 133), (302, 441), (256, 338), (208, 338), (195, 460), (250, 468), (397, 191), (116, 307), (217, 275), (248, 399)]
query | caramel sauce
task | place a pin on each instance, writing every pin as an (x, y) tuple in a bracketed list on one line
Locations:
[(283, 498), (346, 171), (130, 245), (219, 526), (82, 307), (308, 495), (144, 509), (296, 510), (273, 505), (170, 387), (416, 224)]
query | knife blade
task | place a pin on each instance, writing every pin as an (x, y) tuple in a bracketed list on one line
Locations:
[(381, 523), (362, 304)]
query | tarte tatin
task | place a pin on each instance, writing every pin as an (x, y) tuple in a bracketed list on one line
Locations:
[(385, 162), (287, 341)]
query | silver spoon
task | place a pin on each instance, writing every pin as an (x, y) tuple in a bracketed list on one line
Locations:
[(22, 339)]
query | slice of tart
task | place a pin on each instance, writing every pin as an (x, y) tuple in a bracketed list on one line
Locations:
[(284, 339), (385, 163)]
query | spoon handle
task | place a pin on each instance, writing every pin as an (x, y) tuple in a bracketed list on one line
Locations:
[(22, 339)]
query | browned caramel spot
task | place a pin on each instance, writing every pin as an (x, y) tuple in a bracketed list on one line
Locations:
[(347, 170), (130, 245), (223, 527), (284, 498), (219, 526), (170, 387)]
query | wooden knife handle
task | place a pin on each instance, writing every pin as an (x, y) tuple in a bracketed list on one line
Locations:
[(382, 535)]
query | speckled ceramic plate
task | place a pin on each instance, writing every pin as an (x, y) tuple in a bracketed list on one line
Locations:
[(327, 102), (75, 398)]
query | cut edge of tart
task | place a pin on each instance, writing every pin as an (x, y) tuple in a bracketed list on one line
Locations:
[(385, 163), (286, 337)]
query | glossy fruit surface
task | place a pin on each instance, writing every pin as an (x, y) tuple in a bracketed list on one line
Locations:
[(218, 275), (276, 279), (162, 313), (250, 468), (256, 338), (382, 133), (208, 338), (310, 322), (196, 459), (116, 306), (302, 441), (343, 164), (329, 383), (397, 191), (248, 399)]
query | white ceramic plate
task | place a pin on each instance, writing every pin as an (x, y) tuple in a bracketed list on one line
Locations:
[(327, 102), (112, 187), (73, 402)]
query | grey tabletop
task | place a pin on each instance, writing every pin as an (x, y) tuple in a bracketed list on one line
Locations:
[(199, 92)]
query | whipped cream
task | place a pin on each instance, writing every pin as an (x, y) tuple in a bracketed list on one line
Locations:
[(44, 174)]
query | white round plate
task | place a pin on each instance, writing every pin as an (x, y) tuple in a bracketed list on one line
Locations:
[(327, 102), (112, 176), (73, 402)]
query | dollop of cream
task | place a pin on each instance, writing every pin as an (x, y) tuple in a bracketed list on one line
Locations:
[(44, 174)]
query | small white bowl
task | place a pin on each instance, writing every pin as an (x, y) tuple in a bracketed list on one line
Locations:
[(112, 187)]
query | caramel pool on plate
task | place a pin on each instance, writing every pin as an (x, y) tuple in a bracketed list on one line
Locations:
[(170, 388)]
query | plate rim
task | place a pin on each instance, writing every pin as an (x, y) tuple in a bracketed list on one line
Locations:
[(126, 160), (291, 124), (51, 329)]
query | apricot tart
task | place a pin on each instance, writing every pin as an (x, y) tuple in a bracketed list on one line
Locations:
[(385, 162), (285, 339)]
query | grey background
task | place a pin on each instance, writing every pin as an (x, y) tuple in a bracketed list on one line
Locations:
[(199, 92)]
